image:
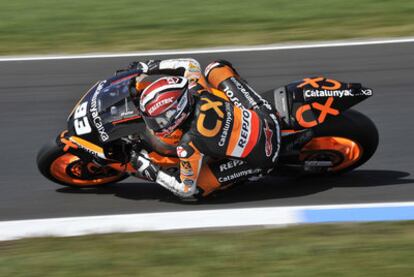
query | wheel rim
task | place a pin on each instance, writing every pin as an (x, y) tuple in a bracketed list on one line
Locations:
[(68, 169), (343, 152)]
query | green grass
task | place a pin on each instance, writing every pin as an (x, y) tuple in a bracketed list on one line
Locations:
[(57, 26), (376, 249)]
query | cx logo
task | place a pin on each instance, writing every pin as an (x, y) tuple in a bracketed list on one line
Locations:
[(200, 121), (314, 82), (324, 109)]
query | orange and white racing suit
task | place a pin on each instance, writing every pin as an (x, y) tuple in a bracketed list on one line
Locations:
[(231, 135)]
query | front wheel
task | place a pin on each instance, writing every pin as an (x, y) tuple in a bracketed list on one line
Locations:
[(346, 141), (70, 170)]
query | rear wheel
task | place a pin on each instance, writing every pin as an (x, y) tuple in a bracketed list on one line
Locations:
[(347, 141), (69, 170)]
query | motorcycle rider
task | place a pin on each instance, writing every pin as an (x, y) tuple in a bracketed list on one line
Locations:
[(223, 138)]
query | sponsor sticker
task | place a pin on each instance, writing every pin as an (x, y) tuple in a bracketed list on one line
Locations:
[(188, 182), (244, 91), (181, 152), (230, 165), (193, 67), (172, 80), (244, 133), (159, 104), (327, 93), (97, 120), (268, 134), (227, 124), (320, 82), (81, 122), (325, 109), (125, 114), (232, 97), (219, 115), (90, 151), (240, 174), (367, 92), (186, 169), (277, 128)]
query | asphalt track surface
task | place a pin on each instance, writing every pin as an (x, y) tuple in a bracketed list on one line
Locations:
[(37, 96)]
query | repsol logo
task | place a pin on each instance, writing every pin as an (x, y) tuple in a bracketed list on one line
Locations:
[(245, 129), (230, 164), (232, 97)]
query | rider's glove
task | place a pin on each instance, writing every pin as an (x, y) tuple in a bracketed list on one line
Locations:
[(148, 67), (181, 189), (144, 166)]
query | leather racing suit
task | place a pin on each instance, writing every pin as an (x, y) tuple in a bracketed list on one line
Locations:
[(231, 135)]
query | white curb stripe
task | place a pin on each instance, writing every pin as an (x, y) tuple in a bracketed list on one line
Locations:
[(274, 216), (272, 47), (74, 226)]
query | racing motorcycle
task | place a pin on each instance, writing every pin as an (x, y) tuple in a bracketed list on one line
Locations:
[(320, 134)]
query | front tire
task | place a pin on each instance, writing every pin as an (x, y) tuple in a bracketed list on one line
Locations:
[(69, 170)]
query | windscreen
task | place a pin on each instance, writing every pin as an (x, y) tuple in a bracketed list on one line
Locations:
[(107, 111), (112, 104)]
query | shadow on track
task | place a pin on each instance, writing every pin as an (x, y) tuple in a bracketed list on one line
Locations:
[(269, 188)]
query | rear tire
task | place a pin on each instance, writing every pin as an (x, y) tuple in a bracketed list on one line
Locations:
[(51, 153), (356, 127)]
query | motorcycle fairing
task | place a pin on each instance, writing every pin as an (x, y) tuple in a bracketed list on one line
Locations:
[(107, 111), (309, 102)]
